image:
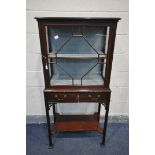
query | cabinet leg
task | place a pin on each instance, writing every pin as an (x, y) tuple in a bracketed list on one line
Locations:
[(48, 124), (99, 109), (105, 125), (54, 113), (106, 119)]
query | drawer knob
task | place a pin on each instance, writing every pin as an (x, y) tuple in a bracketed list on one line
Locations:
[(89, 96), (78, 98), (56, 96), (98, 95), (65, 96)]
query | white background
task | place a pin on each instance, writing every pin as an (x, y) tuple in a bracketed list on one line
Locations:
[(13, 78)]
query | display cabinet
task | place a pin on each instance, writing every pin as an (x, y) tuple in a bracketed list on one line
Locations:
[(77, 56)]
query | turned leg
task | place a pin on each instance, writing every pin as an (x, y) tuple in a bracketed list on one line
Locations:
[(48, 124)]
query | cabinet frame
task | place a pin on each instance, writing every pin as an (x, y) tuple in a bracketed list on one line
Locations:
[(67, 94)]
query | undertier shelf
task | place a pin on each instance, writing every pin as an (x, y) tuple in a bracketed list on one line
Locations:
[(76, 123)]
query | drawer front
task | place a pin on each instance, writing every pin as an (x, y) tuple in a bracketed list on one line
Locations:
[(62, 97), (92, 97), (76, 97)]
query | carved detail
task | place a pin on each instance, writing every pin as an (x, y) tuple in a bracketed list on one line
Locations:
[(50, 104)]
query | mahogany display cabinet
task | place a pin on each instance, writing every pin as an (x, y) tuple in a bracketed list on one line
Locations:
[(77, 56)]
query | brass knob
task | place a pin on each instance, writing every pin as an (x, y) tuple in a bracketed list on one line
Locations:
[(78, 98), (56, 96), (89, 95), (98, 95), (65, 96)]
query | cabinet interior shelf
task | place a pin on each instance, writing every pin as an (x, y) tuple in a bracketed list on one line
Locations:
[(77, 56)]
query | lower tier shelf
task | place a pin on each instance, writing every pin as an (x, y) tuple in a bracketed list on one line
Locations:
[(74, 123)]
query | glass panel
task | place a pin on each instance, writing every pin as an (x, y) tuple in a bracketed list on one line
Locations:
[(94, 76), (77, 54), (77, 45), (96, 36), (77, 40), (60, 76), (58, 35), (76, 72)]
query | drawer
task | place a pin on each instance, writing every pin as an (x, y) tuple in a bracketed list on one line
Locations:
[(92, 97), (76, 97), (62, 97)]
